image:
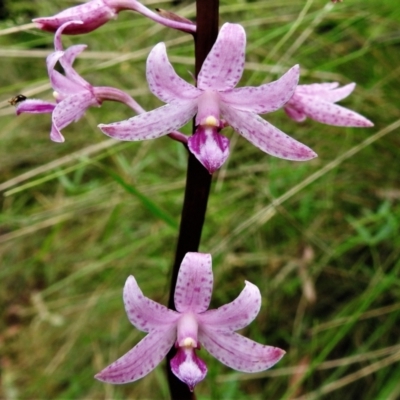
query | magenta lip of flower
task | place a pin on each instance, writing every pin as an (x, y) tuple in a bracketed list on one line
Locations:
[(316, 101), (96, 13), (209, 146), (190, 327), (216, 102)]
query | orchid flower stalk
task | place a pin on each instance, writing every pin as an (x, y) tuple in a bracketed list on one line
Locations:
[(180, 331), (191, 327)]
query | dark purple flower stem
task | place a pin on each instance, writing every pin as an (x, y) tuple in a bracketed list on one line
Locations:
[(198, 182)]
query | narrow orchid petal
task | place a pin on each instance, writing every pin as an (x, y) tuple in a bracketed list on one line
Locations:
[(338, 94), (265, 136), (209, 147), (265, 98), (63, 86), (326, 91), (188, 367), (66, 62), (152, 124), (331, 114), (60, 83), (34, 106), (237, 314), (194, 284), (70, 54), (69, 110), (313, 88), (57, 37), (238, 352), (56, 135), (93, 14), (52, 60), (141, 360), (72, 82), (145, 314), (294, 113), (164, 81), (223, 67)]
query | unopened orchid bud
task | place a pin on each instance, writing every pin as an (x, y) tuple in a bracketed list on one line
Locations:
[(93, 14), (96, 13)]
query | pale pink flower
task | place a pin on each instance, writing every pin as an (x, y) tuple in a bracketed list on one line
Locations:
[(217, 104), (191, 327), (316, 101), (72, 93)]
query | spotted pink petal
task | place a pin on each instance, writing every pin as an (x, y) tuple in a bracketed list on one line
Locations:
[(265, 136), (265, 98), (145, 314), (152, 124), (142, 359), (314, 88), (331, 114), (194, 284), (69, 110), (34, 106), (163, 80), (326, 91), (238, 352), (235, 315), (223, 67)]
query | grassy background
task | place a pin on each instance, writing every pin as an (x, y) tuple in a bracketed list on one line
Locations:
[(320, 239)]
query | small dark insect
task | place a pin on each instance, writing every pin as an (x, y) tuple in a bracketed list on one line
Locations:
[(17, 99)]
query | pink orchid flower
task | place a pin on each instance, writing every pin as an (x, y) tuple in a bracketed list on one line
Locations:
[(96, 13), (72, 93), (217, 104), (316, 101), (191, 327)]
